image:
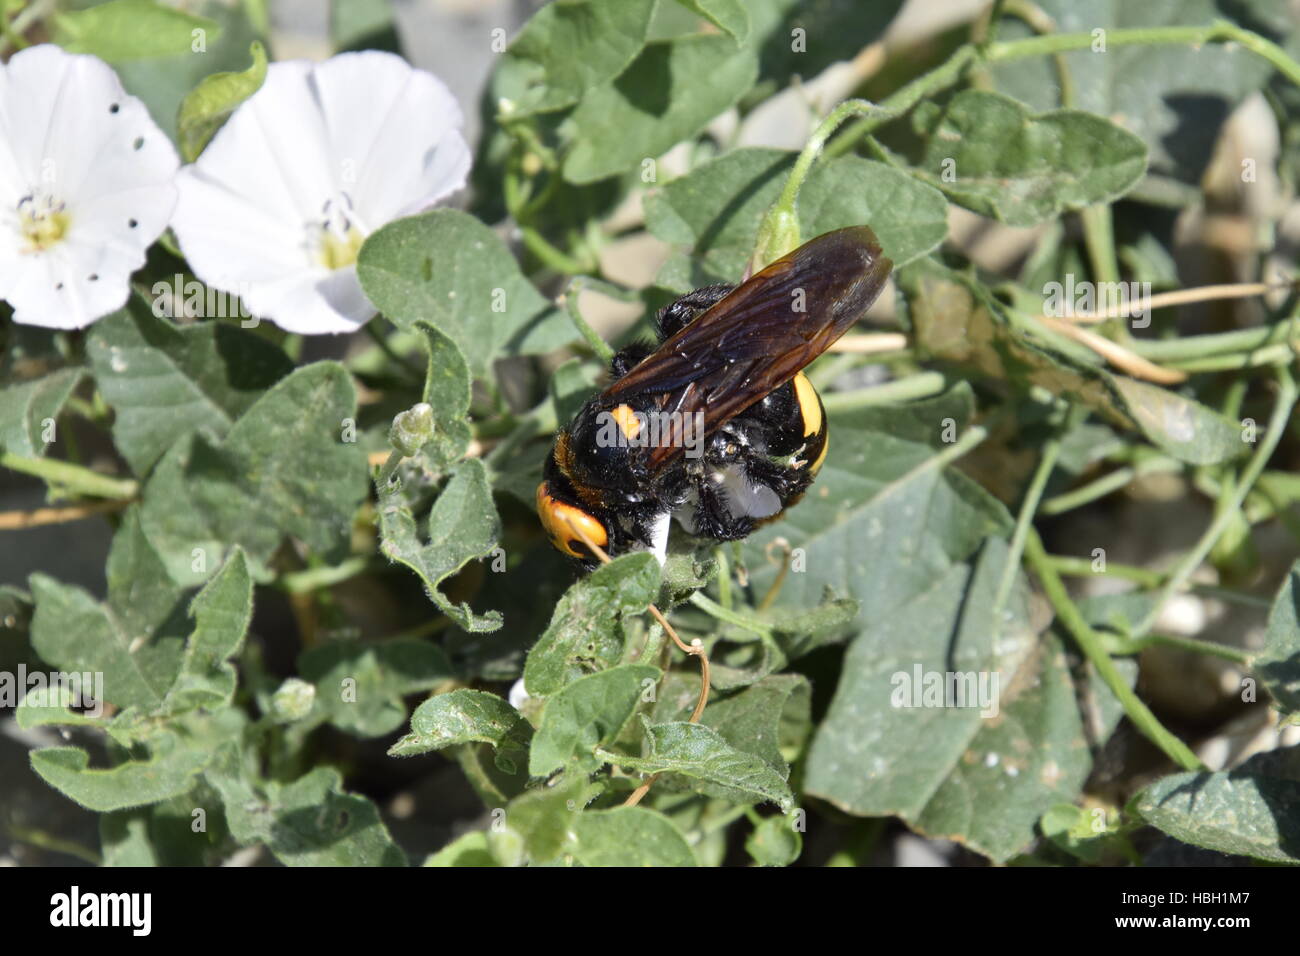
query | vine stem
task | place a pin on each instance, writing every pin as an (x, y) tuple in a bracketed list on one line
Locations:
[(778, 233), (14, 520), (599, 346), (1094, 649), (1229, 507), (694, 649), (1029, 507), (1221, 31), (72, 477)]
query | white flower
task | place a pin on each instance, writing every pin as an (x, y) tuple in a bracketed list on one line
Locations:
[(321, 156), (86, 185)]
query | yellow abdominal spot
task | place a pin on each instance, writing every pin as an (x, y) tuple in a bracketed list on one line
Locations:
[(627, 421), (42, 230), (810, 406), (339, 251)]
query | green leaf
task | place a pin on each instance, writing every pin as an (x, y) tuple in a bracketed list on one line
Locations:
[(957, 320), (571, 385), (463, 526), (773, 713), (715, 210), (206, 108), (141, 596), (797, 38), (568, 48), (727, 15), (360, 686), (1278, 664), (989, 153), (47, 705), (310, 822), (132, 29), (1249, 811), (629, 836), (461, 717), (952, 715), (28, 411), (471, 849), (544, 817), (163, 81), (73, 632), (586, 714), (882, 523), (1175, 97), (363, 25), (222, 612), (587, 628), (774, 842), (1071, 829), (657, 102), (283, 468), (708, 765), (449, 269), (170, 769), (447, 391)]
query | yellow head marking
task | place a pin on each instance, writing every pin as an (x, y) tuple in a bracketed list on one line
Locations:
[(559, 518), (810, 405)]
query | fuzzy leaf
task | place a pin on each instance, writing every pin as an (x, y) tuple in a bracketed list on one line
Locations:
[(463, 526), (1250, 811), (992, 155), (207, 107), (1278, 664), (360, 686), (586, 714), (586, 629), (26, 408), (657, 102), (709, 765), (447, 268)]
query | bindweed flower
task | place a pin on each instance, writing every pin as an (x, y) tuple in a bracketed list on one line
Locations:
[(322, 155), (86, 185)]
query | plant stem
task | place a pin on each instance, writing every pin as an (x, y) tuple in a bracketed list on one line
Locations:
[(599, 346), (1221, 31), (1145, 577), (74, 478), (1028, 507), (313, 579), (716, 610), (1228, 508), (1090, 642), (401, 361), (921, 385), (1101, 487), (898, 103)]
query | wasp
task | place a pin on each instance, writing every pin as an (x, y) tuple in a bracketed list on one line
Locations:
[(717, 426)]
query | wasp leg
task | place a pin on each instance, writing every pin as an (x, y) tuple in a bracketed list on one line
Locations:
[(675, 316), (788, 482), (628, 357), (714, 518)]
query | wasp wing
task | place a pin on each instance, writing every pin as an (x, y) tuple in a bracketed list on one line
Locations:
[(759, 336)]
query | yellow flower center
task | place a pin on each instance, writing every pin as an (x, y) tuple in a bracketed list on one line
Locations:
[(339, 251), (42, 223)]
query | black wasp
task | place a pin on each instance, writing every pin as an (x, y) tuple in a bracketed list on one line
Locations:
[(718, 426)]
